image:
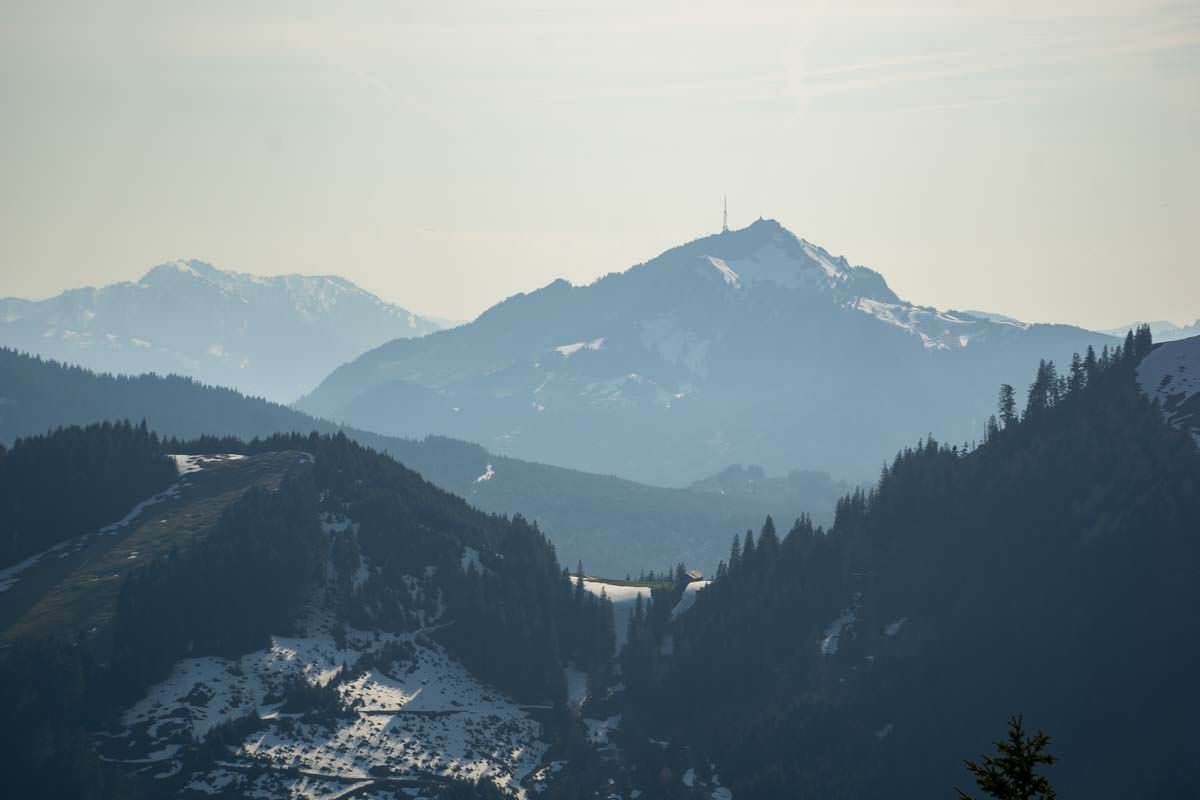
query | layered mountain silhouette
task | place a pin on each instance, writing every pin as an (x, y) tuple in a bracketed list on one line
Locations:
[(273, 337), (613, 526), (751, 346)]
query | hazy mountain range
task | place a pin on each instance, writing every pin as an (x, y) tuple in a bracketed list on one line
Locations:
[(291, 614), (298, 616), (750, 346), (274, 337), (1162, 330), (614, 526)]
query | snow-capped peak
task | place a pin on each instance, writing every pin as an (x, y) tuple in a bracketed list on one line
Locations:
[(767, 253), (189, 317)]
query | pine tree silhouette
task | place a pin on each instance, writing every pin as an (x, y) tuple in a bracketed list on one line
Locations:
[(1008, 405), (1012, 774)]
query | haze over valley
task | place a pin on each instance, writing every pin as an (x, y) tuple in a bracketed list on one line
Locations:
[(624, 402)]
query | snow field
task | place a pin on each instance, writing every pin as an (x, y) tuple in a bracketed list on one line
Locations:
[(187, 464), (568, 350), (420, 717), (426, 717), (688, 599), (1171, 374), (727, 273), (938, 330), (623, 599)]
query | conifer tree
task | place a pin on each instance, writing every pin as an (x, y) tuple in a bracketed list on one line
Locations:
[(1143, 341), (1078, 378), (1053, 386), (735, 553), (1008, 405), (1012, 775), (748, 549), (1089, 363)]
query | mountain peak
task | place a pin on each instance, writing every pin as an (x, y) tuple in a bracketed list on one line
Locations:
[(220, 326), (180, 267), (767, 252)]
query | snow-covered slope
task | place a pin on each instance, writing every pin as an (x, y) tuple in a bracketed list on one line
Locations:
[(752, 346), (274, 337), (401, 713), (418, 715), (624, 598), (688, 598), (1171, 374)]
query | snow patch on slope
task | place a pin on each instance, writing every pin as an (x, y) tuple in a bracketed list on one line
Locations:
[(727, 273), (937, 330), (568, 350), (833, 633), (811, 268), (577, 687), (422, 715), (187, 464), (1171, 375), (470, 558), (624, 599), (688, 599), (831, 269), (10, 575)]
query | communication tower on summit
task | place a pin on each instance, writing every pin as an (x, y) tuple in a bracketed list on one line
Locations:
[(725, 214)]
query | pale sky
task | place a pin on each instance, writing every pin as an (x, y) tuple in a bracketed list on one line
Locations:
[(1038, 159)]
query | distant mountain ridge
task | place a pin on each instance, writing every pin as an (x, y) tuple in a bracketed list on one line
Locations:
[(614, 526), (751, 346), (1162, 330), (269, 336)]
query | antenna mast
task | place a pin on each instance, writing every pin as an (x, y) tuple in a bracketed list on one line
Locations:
[(725, 214)]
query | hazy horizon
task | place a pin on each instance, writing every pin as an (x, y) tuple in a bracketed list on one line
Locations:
[(1004, 157)]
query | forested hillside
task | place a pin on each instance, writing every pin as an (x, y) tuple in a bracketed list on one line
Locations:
[(345, 534), (614, 526), (74, 479), (1047, 571)]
